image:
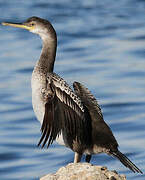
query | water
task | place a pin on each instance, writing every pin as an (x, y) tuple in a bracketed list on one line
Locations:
[(101, 44)]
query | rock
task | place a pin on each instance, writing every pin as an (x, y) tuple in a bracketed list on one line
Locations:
[(84, 171)]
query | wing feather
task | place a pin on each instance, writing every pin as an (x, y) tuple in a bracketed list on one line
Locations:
[(101, 132), (87, 98), (65, 113)]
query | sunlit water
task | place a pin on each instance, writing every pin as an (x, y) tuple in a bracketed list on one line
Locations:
[(101, 44)]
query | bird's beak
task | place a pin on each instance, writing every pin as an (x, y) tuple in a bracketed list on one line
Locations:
[(23, 26)]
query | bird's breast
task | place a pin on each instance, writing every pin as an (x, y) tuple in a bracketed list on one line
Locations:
[(38, 103)]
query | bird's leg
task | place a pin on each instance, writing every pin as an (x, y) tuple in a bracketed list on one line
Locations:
[(88, 158), (77, 157)]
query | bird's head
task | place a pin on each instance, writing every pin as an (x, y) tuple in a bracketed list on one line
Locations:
[(36, 25)]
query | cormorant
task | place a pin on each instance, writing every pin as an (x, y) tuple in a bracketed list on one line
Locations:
[(72, 118)]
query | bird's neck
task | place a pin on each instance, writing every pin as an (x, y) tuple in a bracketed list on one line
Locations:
[(47, 58)]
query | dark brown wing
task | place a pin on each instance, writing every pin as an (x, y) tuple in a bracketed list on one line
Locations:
[(51, 125), (101, 132), (88, 99), (64, 113)]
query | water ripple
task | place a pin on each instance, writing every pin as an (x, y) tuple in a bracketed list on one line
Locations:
[(101, 44)]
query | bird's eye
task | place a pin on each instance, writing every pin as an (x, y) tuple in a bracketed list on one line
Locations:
[(32, 24)]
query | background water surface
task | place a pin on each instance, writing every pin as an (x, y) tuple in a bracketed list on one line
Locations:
[(101, 44)]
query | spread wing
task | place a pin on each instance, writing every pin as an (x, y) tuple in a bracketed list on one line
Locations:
[(101, 132), (88, 99), (64, 112)]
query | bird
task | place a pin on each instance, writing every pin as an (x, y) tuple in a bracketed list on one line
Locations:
[(72, 118)]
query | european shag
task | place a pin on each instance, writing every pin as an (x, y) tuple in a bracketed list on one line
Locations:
[(72, 118)]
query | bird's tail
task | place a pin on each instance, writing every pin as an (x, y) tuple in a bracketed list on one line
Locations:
[(126, 162)]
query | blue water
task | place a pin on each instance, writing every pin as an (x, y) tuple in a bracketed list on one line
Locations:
[(101, 44)]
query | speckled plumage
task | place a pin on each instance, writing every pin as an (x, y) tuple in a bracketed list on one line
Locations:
[(73, 119), (59, 110)]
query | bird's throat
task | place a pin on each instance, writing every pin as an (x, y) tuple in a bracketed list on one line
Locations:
[(47, 58)]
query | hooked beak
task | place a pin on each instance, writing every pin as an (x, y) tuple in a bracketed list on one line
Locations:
[(23, 26)]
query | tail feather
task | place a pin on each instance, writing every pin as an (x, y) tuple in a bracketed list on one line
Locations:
[(126, 162)]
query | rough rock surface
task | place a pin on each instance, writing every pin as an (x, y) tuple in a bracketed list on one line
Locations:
[(84, 171)]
